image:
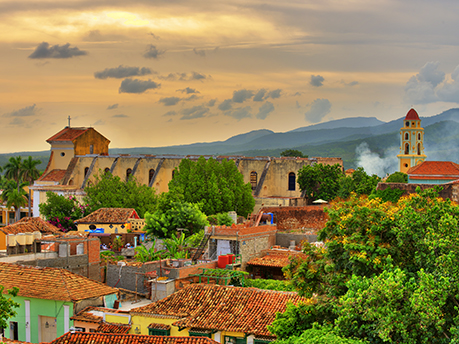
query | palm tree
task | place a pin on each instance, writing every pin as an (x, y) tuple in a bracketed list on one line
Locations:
[(30, 173), (13, 197), (147, 255), (13, 170)]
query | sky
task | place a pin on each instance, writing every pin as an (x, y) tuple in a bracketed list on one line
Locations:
[(160, 73)]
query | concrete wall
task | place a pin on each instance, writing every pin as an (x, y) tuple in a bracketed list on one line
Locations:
[(284, 239)]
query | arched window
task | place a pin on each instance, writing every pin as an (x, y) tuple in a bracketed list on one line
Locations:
[(407, 124), (406, 136), (253, 179), (91, 149), (86, 170), (407, 148), (419, 149), (291, 181), (151, 173), (106, 170), (71, 182), (128, 173), (419, 137), (173, 174)]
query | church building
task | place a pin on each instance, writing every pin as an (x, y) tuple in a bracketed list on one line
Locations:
[(411, 142)]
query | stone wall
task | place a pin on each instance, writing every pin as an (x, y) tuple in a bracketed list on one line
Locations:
[(310, 217), (284, 239)]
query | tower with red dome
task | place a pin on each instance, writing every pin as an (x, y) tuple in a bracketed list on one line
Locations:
[(411, 142)]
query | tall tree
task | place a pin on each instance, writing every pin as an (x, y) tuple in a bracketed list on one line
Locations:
[(30, 173), (293, 153), (7, 305), (320, 181), (13, 170), (218, 186), (14, 197)]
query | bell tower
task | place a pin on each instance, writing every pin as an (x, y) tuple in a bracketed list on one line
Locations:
[(411, 142)]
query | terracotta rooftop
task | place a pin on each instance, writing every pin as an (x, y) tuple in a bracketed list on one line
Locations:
[(113, 328), (87, 316), (412, 115), (53, 176), (30, 225), (275, 259), (222, 308), (110, 215), (50, 283), (67, 134), (112, 338), (437, 169), (158, 326)]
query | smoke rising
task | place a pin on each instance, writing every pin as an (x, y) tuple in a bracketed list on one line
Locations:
[(372, 163)]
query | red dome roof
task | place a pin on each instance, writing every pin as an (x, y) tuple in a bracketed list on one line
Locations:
[(412, 115)]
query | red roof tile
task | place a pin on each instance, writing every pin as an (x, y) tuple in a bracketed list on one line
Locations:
[(50, 283), (111, 338), (412, 115), (434, 169), (113, 328), (53, 176), (222, 308), (87, 316), (110, 215), (158, 326), (67, 134), (275, 259), (242, 229), (30, 225)]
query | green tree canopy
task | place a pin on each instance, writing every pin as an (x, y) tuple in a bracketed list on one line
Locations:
[(320, 181), (293, 153), (108, 191), (397, 177), (218, 186), (7, 305), (360, 183), (388, 272)]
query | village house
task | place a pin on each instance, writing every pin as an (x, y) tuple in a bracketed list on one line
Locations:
[(226, 314), (104, 320), (48, 297), (111, 220)]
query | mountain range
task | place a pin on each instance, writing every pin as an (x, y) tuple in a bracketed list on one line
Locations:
[(338, 138)]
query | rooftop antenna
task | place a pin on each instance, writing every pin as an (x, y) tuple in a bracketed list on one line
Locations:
[(69, 121)]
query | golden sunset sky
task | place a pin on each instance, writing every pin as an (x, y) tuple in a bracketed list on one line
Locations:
[(158, 73)]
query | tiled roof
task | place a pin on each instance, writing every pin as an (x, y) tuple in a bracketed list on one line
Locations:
[(111, 338), (412, 115), (50, 283), (158, 326), (110, 215), (275, 259), (87, 316), (30, 225), (67, 134), (222, 308), (434, 169), (113, 328), (53, 176)]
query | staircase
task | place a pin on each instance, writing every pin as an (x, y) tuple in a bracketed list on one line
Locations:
[(201, 247)]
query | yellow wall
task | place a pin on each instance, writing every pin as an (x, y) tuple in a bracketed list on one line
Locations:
[(60, 162), (144, 321), (2, 241), (118, 319), (83, 226)]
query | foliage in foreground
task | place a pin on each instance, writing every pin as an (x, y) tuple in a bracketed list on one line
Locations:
[(389, 272), (270, 284), (319, 335), (7, 305)]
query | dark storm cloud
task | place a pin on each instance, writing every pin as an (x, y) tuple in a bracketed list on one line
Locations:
[(45, 51), (120, 116), (239, 113), (188, 90), (201, 53), (316, 80), (122, 72), (265, 110), (137, 86), (27, 111), (259, 96), (194, 112), (275, 94), (242, 95), (111, 107), (211, 102), (318, 110), (225, 105), (170, 101), (151, 52)]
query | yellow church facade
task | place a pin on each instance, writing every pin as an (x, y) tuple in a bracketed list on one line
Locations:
[(411, 142)]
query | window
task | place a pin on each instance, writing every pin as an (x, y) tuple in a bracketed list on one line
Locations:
[(107, 170), (419, 136), (62, 153), (86, 170), (407, 124), (91, 149), (291, 181), (413, 124), (151, 174), (419, 149), (128, 173), (207, 334), (158, 332), (253, 179), (235, 340), (173, 174), (407, 148), (406, 136)]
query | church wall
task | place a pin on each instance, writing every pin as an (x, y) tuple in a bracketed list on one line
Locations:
[(62, 154), (91, 137)]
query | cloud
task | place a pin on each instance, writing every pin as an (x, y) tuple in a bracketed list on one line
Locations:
[(201, 53), (170, 113), (298, 106), (137, 86), (184, 76), (120, 116), (153, 35), (239, 113), (170, 101), (27, 111), (259, 96), (99, 122), (265, 110), (45, 51), (111, 107), (97, 36), (194, 112), (188, 90), (198, 76), (192, 97), (318, 110), (242, 95), (352, 83), (122, 72), (225, 105), (316, 80), (151, 52), (275, 94), (211, 102)]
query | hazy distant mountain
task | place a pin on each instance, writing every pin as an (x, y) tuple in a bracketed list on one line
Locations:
[(351, 122)]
